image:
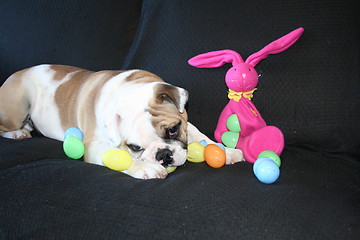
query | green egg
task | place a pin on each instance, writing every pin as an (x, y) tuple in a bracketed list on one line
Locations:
[(232, 123), (170, 169), (272, 155), (73, 147), (230, 139)]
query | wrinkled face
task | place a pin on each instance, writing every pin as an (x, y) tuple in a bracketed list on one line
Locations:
[(156, 131)]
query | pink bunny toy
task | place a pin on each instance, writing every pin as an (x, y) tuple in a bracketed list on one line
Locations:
[(251, 135)]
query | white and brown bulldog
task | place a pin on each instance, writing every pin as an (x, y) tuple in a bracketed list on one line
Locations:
[(133, 110)]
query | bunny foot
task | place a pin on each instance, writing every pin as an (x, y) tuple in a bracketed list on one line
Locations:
[(266, 138)]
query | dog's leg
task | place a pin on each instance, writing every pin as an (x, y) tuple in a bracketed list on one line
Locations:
[(146, 170), (139, 168), (18, 134), (14, 109), (232, 155)]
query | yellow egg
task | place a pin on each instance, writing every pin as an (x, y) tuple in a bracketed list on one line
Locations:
[(195, 152), (117, 159)]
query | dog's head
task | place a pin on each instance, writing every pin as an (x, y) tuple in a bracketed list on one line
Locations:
[(151, 120)]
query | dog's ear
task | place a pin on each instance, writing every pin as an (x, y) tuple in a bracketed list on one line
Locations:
[(112, 128), (169, 93)]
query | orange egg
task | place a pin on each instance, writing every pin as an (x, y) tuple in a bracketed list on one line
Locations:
[(214, 156)]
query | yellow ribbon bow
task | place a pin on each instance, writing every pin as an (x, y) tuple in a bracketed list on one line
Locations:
[(236, 96)]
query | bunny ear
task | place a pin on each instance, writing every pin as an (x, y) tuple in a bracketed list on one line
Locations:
[(216, 59), (276, 46)]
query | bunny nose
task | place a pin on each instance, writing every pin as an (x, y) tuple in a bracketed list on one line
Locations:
[(243, 75)]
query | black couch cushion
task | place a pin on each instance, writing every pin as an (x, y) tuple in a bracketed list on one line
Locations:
[(46, 196)]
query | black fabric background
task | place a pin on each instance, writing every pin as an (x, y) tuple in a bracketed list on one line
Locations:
[(90, 34), (309, 91)]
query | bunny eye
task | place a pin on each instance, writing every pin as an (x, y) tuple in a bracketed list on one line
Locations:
[(249, 69)]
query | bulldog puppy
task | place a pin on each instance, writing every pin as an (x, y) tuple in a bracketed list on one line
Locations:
[(133, 110)]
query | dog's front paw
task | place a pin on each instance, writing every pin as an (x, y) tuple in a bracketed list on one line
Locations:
[(146, 170), (234, 156), (17, 134)]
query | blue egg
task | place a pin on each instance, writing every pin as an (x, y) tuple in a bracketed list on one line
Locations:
[(221, 145), (257, 162), (266, 170), (74, 132), (203, 142)]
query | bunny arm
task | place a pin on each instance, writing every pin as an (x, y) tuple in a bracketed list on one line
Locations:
[(249, 118), (221, 125)]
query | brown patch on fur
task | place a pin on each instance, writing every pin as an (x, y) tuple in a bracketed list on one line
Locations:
[(167, 93), (14, 104), (62, 70), (142, 76), (166, 113), (77, 96), (66, 97), (88, 119)]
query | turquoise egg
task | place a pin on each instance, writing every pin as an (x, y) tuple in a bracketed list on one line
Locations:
[(203, 142), (272, 155), (232, 123), (73, 147), (230, 139)]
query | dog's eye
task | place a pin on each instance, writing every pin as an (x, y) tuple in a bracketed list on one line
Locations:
[(173, 132), (135, 148)]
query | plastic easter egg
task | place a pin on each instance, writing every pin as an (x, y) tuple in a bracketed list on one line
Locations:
[(203, 142), (214, 156), (117, 159), (195, 152), (272, 155), (230, 139), (232, 123), (170, 169), (221, 145), (73, 147), (266, 170), (257, 162), (75, 132)]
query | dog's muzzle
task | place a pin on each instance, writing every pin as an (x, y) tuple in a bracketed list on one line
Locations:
[(164, 157)]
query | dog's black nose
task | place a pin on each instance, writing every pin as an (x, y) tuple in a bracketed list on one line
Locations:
[(164, 156)]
